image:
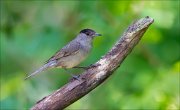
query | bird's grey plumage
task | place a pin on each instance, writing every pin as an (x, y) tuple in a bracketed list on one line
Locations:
[(72, 54), (42, 68)]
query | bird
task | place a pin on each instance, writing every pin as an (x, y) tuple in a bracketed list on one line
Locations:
[(71, 54)]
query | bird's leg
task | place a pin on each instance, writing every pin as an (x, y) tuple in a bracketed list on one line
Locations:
[(74, 76), (85, 68), (82, 67)]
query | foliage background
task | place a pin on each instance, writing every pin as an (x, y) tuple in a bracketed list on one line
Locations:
[(32, 31)]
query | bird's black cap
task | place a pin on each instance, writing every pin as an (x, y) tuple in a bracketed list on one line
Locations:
[(90, 32), (86, 30)]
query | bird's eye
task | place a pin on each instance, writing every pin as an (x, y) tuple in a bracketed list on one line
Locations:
[(87, 33)]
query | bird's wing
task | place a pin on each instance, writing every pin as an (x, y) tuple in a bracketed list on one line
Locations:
[(69, 49)]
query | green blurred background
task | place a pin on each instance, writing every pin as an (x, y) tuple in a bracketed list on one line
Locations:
[(31, 32)]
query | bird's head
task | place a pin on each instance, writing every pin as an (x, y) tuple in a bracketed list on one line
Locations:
[(90, 33)]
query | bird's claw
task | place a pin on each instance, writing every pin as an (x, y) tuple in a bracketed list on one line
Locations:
[(93, 65), (75, 77)]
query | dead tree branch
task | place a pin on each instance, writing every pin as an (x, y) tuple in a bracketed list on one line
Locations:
[(98, 72)]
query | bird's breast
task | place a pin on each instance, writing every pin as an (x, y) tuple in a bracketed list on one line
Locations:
[(75, 59)]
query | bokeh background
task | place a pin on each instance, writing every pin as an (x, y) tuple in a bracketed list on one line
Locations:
[(31, 32)]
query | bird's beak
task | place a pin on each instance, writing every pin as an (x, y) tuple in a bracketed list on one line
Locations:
[(97, 34)]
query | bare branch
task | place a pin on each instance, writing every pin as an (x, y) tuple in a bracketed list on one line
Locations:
[(98, 72)]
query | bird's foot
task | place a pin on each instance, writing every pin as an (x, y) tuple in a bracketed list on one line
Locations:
[(75, 77), (94, 65)]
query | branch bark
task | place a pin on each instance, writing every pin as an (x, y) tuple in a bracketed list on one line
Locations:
[(98, 72)]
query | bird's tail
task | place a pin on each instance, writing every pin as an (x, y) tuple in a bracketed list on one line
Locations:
[(42, 68)]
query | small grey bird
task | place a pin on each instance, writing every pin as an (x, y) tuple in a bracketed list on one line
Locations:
[(72, 54)]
